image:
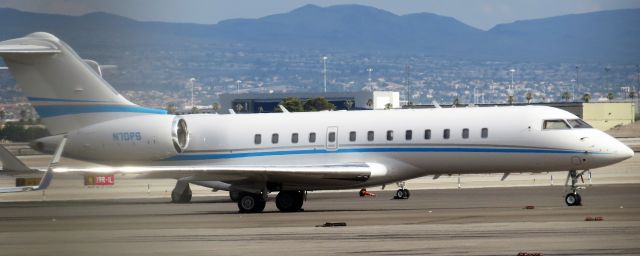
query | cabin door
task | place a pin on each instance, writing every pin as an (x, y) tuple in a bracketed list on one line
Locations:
[(332, 138)]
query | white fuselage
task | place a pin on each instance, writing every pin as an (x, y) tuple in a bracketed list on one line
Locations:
[(514, 141)]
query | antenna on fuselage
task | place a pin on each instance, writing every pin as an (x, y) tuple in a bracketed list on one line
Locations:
[(231, 111), (435, 104)]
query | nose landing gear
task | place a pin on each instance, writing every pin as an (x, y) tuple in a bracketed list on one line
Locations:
[(573, 198)]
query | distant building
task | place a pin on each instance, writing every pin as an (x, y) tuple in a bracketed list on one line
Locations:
[(266, 103)]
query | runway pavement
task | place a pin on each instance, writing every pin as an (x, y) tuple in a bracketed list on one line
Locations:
[(479, 221)]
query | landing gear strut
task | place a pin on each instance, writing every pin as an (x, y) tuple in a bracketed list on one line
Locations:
[(402, 192), (573, 198), (290, 201), (251, 203), (181, 193)]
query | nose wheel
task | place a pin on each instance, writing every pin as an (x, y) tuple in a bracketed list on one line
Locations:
[(573, 199)]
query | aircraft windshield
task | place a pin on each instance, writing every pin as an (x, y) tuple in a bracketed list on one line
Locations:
[(555, 124), (578, 123)]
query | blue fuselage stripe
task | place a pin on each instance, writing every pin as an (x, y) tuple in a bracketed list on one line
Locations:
[(371, 150), (64, 100), (51, 111)]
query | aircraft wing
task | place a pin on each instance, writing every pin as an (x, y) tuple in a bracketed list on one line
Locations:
[(348, 172)]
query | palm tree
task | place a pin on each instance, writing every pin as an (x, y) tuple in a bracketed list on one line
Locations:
[(171, 108), (370, 103), (586, 97), (611, 96), (529, 97), (510, 99), (566, 96), (215, 106), (348, 104)]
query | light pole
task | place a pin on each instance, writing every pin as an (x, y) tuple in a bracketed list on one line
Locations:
[(238, 86), (606, 78), (577, 82), (192, 81), (370, 84), (510, 92), (324, 72)]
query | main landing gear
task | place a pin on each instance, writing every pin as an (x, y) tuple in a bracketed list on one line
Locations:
[(286, 201), (251, 202), (573, 198)]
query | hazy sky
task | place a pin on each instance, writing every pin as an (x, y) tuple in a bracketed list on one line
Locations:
[(480, 14)]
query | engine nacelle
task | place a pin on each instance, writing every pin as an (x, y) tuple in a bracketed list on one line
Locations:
[(139, 138)]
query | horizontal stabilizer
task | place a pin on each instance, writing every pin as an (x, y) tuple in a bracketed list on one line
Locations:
[(26, 49)]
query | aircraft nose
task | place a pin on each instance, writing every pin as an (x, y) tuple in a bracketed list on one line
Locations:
[(627, 152), (622, 151)]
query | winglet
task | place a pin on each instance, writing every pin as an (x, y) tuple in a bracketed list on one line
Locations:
[(284, 110)]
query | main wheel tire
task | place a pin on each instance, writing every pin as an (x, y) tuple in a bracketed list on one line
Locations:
[(400, 194), (573, 199), (289, 201), (251, 203), (407, 194)]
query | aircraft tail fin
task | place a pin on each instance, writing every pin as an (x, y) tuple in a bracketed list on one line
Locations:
[(67, 92)]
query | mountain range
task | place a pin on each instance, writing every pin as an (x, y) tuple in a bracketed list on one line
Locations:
[(606, 36)]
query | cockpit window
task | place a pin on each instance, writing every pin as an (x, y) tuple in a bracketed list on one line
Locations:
[(578, 123), (555, 124)]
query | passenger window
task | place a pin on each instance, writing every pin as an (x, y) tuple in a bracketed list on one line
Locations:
[(257, 139), (485, 133), (446, 134), (294, 137), (312, 137), (427, 134), (578, 123), (389, 135), (352, 136), (332, 137), (465, 133), (274, 138), (408, 135), (555, 124), (370, 136)]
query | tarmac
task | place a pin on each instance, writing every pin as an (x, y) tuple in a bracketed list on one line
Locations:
[(478, 221), (451, 215)]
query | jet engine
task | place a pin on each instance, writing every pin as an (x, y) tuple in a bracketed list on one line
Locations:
[(138, 138)]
